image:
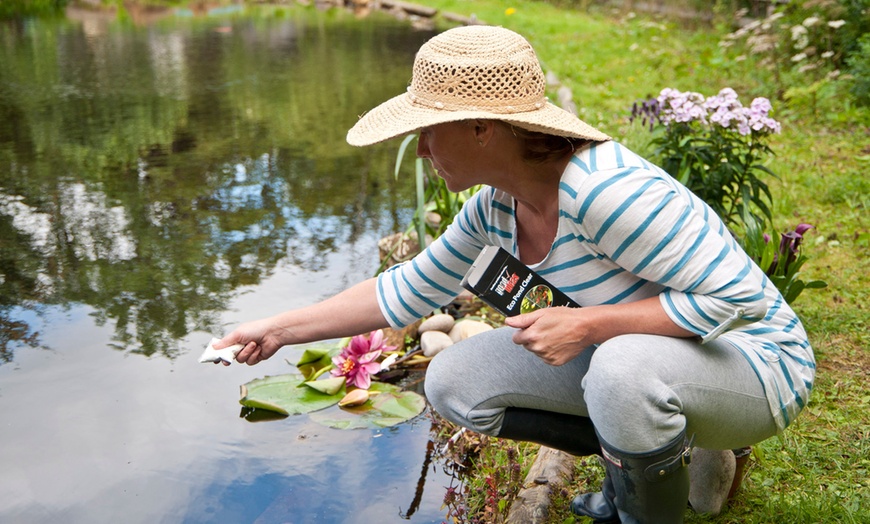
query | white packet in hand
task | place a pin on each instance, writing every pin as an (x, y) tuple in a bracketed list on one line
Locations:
[(227, 355)]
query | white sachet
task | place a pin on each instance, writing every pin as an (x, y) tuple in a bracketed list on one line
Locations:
[(227, 355)]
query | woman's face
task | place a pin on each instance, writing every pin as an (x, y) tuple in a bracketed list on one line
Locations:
[(454, 153)]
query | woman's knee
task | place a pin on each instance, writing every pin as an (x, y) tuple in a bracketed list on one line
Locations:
[(439, 384), (617, 365), (632, 407)]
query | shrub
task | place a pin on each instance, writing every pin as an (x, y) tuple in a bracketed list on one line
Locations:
[(715, 146), (859, 66)]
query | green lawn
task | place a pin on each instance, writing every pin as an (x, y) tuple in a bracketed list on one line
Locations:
[(817, 471)]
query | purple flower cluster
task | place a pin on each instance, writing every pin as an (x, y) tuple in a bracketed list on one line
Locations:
[(723, 110), (682, 106)]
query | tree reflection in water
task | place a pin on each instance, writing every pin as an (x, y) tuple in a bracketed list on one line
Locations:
[(150, 173)]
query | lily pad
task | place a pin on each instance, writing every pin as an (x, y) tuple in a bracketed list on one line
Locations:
[(282, 394), (388, 407)]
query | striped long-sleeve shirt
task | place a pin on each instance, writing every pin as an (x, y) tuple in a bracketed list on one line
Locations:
[(628, 231)]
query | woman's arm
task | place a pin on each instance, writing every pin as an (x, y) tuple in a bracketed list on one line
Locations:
[(349, 313), (557, 335)]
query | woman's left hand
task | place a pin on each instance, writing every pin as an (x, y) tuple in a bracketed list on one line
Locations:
[(556, 335)]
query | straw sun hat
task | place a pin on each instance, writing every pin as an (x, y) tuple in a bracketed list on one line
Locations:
[(467, 73)]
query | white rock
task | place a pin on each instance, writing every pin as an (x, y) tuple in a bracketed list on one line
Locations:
[(432, 342), (440, 322), (711, 473), (468, 328)]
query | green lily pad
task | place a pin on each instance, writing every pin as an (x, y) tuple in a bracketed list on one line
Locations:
[(390, 406), (282, 394)]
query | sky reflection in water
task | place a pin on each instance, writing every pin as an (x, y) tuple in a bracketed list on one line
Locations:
[(158, 185)]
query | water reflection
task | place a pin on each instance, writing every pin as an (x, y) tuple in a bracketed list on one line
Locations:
[(162, 177), (149, 173)]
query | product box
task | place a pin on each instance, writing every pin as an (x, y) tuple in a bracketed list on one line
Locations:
[(509, 286)]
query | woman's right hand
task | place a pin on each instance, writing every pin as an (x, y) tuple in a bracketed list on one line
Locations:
[(260, 338)]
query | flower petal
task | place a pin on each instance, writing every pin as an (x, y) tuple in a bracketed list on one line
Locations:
[(376, 339), (368, 357), (802, 228), (362, 380)]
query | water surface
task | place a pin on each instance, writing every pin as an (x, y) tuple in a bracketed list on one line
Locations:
[(164, 175)]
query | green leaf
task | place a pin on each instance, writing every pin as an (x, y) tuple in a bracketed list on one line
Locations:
[(281, 394), (401, 154), (390, 406), (421, 204), (312, 355), (316, 361), (328, 386)]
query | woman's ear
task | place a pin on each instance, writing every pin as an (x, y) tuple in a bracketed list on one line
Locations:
[(483, 130)]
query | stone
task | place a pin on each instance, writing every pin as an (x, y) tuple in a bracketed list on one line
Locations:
[(468, 328), (440, 322), (711, 473), (433, 342)]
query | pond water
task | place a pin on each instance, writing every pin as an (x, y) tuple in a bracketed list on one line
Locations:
[(164, 175)]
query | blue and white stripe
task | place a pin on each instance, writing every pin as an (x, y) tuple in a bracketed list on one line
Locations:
[(628, 231)]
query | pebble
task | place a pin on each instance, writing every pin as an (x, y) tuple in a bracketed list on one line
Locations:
[(711, 473), (433, 342), (440, 322), (468, 328)]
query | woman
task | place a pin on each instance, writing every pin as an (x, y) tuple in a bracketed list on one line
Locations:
[(681, 338)]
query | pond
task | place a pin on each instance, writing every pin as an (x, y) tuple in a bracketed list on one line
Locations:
[(164, 175)]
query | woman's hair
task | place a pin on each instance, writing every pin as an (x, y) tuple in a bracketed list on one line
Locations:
[(543, 147)]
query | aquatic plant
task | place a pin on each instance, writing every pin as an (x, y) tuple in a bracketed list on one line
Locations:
[(358, 361)]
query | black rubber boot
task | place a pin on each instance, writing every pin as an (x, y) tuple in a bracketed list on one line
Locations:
[(650, 488), (599, 506), (569, 433)]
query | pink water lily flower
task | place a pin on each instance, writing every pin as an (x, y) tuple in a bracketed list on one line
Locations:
[(360, 345), (357, 370), (358, 361)]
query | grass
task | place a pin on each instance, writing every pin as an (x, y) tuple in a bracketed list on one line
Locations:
[(817, 471)]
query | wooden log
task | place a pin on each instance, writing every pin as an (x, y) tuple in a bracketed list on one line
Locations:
[(551, 470), (462, 19), (413, 9)]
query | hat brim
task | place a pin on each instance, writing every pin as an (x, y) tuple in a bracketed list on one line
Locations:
[(399, 116)]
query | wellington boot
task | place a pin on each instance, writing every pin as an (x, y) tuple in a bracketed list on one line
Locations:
[(650, 488), (599, 506), (569, 433)]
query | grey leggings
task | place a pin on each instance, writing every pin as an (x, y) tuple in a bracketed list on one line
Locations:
[(640, 391)]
